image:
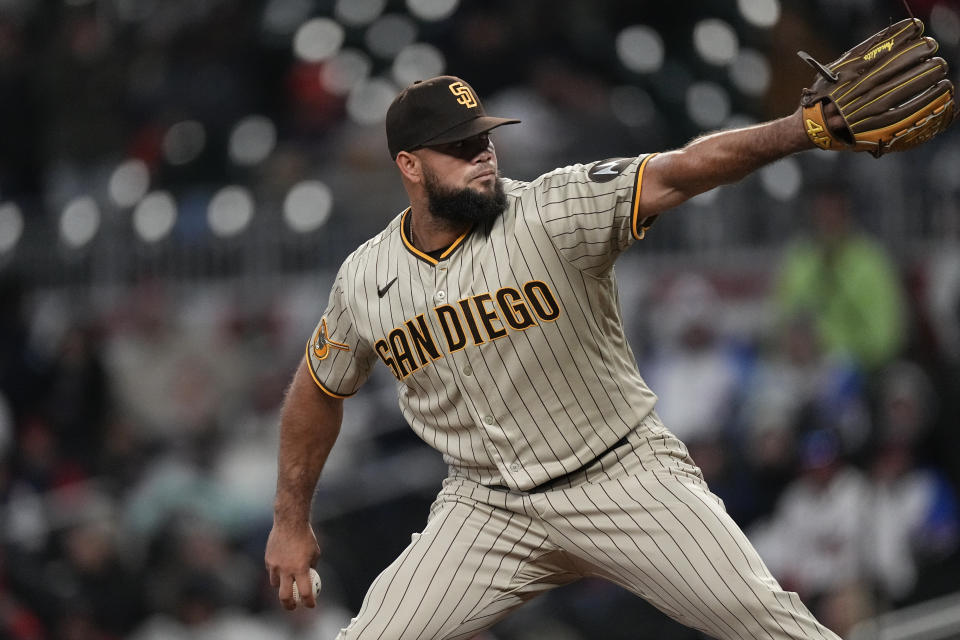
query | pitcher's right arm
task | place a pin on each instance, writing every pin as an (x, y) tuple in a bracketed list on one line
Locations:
[(309, 424)]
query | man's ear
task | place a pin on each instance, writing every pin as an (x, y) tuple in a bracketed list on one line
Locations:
[(409, 166)]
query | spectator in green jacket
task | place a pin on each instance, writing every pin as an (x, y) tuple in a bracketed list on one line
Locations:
[(847, 282)]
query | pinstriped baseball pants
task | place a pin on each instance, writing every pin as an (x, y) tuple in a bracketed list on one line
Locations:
[(640, 516)]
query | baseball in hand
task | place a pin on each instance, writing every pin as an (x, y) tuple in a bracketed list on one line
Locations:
[(315, 579)]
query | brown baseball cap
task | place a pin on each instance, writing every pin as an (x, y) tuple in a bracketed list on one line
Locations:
[(436, 111)]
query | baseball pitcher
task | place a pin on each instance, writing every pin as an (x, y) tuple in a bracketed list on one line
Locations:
[(493, 303)]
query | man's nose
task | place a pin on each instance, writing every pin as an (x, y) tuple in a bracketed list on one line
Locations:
[(485, 154)]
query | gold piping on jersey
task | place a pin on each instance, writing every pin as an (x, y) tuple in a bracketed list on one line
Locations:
[(472, 321), (420, 254), (637, 226)]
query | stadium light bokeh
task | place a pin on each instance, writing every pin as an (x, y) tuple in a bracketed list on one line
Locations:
[(433, 10), (252, 140), (417, 61), (318, 39), (716, 41), (79, 222), (750, 73), (230, 211), (760, 13), (345, 71), (307, 206), (155, 216), (390, 34), (129, 182), (358, 13), (184, 142), (11, 226), (708, 104), (640, 49)]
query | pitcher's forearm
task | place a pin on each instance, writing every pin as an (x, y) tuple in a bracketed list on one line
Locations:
[(729, 156), (309, 425), (718, 158)]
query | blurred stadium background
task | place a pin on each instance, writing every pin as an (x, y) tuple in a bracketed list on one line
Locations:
[(179, 180)]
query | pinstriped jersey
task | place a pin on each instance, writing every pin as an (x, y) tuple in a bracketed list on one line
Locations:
[(508, 349)]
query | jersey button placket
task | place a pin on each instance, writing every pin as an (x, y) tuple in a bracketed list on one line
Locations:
[(440, 285), (468, 383)]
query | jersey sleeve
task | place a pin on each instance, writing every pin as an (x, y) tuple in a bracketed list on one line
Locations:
[(339, 359), (591, 211)]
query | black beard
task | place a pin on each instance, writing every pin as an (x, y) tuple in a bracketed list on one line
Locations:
[(464, 206)]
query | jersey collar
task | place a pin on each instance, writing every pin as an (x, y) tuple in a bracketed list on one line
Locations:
[(420, 254)]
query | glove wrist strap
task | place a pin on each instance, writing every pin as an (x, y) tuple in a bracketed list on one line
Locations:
[(815, 124)]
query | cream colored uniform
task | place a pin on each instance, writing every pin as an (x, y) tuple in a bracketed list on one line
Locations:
[(510, 358)]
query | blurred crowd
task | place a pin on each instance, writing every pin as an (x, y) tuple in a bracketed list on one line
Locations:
[(830, 435), (804, 343), (138, 446)]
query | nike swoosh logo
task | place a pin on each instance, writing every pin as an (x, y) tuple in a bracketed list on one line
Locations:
[(382, 291)]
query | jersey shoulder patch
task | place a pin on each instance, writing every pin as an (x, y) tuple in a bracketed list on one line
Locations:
[(321, 342), (606, 170)]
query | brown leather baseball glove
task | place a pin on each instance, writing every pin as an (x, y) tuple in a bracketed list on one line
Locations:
[(892, 92)]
